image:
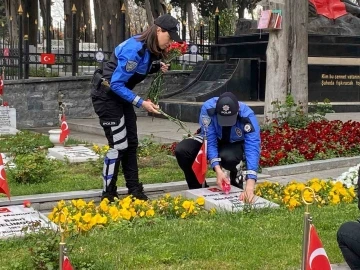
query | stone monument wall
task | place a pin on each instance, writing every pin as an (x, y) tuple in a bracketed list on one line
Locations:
[(37, 100)]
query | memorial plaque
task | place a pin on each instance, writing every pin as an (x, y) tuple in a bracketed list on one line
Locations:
[(7, 120), (73, 154), (216, 198), (13, 220)]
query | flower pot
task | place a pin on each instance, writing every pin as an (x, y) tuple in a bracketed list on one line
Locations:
[(54, 137)]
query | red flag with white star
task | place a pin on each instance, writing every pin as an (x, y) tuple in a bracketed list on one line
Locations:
[(64, 129), (4, 188)]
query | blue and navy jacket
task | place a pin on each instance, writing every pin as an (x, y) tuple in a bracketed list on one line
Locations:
[(129, 64), (246, 129)]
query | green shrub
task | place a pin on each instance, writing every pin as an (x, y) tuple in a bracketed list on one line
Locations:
[(32, 168)]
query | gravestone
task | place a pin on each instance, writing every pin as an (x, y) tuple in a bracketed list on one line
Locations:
[(14, 218), (73, 154), (7, 161), (7, 121), (216, 198)]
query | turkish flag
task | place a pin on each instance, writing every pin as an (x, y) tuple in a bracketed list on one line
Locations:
[(47, 58), (316, 256), (331, 9), (1, 85), (4, 188), (66, 264), (200, 165), (64, 129)]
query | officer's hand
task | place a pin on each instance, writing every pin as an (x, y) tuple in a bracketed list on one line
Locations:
[(249, 193), (164, 67), (150, 107), (220, 177)]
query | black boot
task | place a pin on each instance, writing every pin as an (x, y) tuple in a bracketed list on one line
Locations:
[(236, 180), (110, 193), (137, 191)]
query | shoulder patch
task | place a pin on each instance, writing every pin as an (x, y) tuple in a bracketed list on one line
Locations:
[(130, 65), (248, 128), (238, 132), (205, 120)]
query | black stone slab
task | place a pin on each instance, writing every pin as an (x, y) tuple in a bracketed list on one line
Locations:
[(337, 83)]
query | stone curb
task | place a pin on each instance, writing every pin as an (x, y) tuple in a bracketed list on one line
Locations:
[(311, 166), (47, 201)]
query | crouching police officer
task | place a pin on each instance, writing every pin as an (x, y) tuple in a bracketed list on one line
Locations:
[(113, 100), (232, 134)]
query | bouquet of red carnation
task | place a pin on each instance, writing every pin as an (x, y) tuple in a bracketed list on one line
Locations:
[(174, 51)]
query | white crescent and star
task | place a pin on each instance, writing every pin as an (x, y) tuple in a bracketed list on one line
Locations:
[(64, 123), (199, 154), (317, 252), (46, 58), (2, 173)]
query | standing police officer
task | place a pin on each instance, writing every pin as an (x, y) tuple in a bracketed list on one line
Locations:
[(233, 133), (113, 100)]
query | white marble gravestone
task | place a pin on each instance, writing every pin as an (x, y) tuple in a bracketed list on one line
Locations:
[(14, 218), (216, 198), (7, 160), (7, 121), (73, 153)]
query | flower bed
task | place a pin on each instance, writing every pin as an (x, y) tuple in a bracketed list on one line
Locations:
[(80, 216), (319, 140), (327, 192)]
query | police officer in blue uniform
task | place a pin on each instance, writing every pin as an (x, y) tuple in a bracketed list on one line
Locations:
[(113, 100), (233, 135)]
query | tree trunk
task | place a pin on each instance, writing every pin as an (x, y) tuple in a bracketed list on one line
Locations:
[(229, 4), (191, 22), (277, 64), (11, 9), (98, 23), (149, 15), (241, 10), (30, 28), (87, 18), (299, 56), (43, 10), (156, 8)]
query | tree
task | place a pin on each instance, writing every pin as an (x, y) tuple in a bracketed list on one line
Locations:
[(30, 23), (277, 64), (11, 10)]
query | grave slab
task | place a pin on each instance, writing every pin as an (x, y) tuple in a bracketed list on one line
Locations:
[(14, 218), (7, 121), (73, 154), (216, 198)]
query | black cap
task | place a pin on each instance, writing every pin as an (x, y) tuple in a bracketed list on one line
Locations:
[(227, 109), (170, 24)]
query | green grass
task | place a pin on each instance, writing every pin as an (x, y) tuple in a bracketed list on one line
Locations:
[(155, 166), (267, 239)]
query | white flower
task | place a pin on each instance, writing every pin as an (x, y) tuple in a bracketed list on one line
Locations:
[(350, 177)]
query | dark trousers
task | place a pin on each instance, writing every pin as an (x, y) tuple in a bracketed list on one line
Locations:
[(186, 151), (118, 120), (348, 237)]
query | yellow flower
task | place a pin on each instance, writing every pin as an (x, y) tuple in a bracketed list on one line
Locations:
[(167, 196), (186, 205), (142, 213), (316, 186), (77, 217), (336, 199), (212, 211), (150, 213), (104, 205), (125, 214), (200, 201), (114, 212), (87, 217), (183, 215)]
